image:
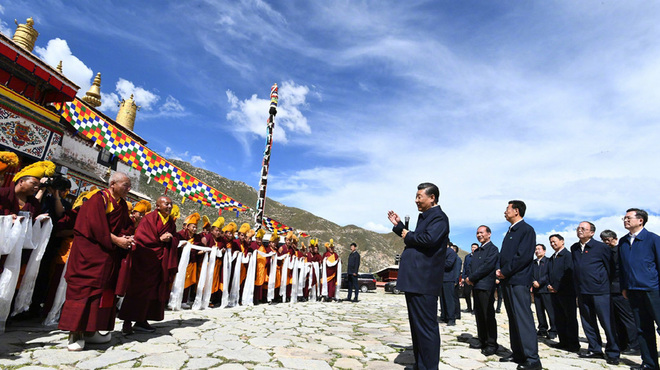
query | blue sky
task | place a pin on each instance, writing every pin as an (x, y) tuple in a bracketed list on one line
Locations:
[(556, 103)]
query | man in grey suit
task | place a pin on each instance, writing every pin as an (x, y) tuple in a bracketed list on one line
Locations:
[(421, 273)]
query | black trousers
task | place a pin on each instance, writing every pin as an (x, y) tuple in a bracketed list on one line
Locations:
[(626, 330), (457, 302), (447, 302), (543, 305), (484, 313), (422, 315), (595, 308), (498, 289), (352, 285), (646, 310), (565, 310), (467, 294), (518, 304)]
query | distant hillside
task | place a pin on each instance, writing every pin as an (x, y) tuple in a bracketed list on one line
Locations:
[(376, 250)]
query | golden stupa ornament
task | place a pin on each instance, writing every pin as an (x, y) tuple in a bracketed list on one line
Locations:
[(93, 95), (25, 35), (59, 67), (127, 111)]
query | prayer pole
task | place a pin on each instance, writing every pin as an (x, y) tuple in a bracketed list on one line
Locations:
[(270, 124)]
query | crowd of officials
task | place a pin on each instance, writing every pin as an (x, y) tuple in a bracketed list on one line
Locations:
[(613, 285), (120, 260)]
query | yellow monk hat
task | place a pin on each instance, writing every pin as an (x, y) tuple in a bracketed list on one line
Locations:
[(192, 219), (8, 159), (231, 227), (38, 170), (250, 233), (302, 244), (274, 238), (260, 234), (142, 206), (292, 236), (313, 242), (85, 195), (244, 228), (130, 206), (176, 212), (219, 223), (205, 221)]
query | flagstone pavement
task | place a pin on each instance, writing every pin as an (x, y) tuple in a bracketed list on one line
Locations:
[(370, 334)]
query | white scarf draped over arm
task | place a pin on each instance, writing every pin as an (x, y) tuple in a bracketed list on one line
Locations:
[(12, 237)]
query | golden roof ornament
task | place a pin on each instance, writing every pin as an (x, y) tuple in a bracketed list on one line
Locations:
[(127, 112), (93, 96), (59, 67), (25, 35)]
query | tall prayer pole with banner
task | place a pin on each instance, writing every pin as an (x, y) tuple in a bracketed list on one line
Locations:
[(263, 180)]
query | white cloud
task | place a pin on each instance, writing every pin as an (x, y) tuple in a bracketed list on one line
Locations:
[(109, 102), (144, 98), (379, 228), (184, 156), (249, 115), (195, 159), (57, 50), (4, 27), (172, 106)]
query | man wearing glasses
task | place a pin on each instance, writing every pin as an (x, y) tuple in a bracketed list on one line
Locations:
[(639, 255)]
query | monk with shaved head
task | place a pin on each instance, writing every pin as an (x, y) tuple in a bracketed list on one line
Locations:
[(154, 265)]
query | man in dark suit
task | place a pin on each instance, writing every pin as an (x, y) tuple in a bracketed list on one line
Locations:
[(447, 297), (639, 256), (542, 299), (515, 274), (562, 292), (467, 270), (457, 284), (352, 272), (421, 271), (482, 278), (624, 322), (592, 264)]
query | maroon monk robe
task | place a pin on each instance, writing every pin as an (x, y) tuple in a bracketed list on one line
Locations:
[(332, 272), (216, 285), (93, 265), (154, 266)]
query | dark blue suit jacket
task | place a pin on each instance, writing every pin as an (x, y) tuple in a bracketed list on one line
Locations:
[(484, 263), (421, 267), (467, 265), (517, 254), (452, 273), (592, 267), (560, 273), (640, 263), (540, 273)]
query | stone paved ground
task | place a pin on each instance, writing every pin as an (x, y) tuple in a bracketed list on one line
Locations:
[(370, 334)]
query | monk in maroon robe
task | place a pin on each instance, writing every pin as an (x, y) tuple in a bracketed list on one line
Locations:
[(93, 264), (154, 265), (216, 239), (189, 233), (332, 271)]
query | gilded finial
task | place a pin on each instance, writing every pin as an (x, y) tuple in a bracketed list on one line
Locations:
[(127, 111), (93, 96), (59, 67), (25, 35)]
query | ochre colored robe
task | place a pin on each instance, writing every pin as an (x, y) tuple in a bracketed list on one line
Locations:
[(153, 268), (332, 273), (91, 274)]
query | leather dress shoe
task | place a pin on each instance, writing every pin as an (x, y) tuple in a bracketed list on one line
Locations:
[(640, 367), (631, 352), (575, 349), (510, 358), (591, 355), (530, 366), (476, 345), (489, 351), (612, 360)]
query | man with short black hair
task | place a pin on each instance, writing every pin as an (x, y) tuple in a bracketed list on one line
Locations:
[(624, 322), (515, 274), (641, 286), (447, 298), (421, 272), (467, 270), (482, 278), (352, 272), (592, 264), (562, 291), (542, 299)]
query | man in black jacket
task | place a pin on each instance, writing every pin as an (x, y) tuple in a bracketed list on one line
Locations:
[(421, 272), (592, 266), (562, 291), (542, 299), (485, 259), (626, 330), (448, 298), (352, 272), (515, 274), (467, 289)]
